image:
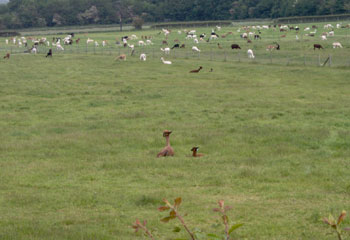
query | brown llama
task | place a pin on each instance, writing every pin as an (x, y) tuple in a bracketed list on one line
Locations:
[(195, 154), (167, 150), (196, 70)]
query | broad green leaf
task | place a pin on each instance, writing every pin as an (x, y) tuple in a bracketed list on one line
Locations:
[(213, 236), (234, 227)]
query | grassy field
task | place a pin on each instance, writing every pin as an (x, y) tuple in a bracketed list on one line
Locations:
[(80, 132)]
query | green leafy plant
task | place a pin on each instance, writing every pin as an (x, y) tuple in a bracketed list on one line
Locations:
[(335, 224), (196, 234), (174, 213), (222, 210)]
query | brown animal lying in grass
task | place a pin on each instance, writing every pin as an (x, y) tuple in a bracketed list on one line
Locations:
[(197, 70), (167, 150), (121, 57), (195, 154)]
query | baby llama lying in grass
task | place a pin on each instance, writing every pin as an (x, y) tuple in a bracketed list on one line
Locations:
[(195, 154)]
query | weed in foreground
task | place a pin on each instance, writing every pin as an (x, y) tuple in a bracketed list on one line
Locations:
[(335, 224), (197, 234)]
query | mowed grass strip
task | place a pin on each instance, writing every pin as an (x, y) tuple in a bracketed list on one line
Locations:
[(79, 135)]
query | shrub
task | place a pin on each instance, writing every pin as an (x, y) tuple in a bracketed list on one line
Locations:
[(137, 23)]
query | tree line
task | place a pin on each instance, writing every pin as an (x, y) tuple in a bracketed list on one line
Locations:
[(42, 13)]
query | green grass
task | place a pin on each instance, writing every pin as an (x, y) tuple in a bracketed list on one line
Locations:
[(79, 135)]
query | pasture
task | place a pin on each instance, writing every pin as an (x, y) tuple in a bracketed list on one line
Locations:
[(80, 133), (293, 51)]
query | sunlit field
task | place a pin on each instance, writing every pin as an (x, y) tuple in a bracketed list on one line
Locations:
[(80, 133)]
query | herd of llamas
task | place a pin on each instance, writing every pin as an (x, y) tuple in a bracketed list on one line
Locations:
[(185, 37)]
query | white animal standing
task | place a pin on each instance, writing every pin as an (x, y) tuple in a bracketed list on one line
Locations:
[(165, 50), (250, 54), (337, 45), (34, 50), (59, 47), (143, 57), (327, 26), (131, 46)]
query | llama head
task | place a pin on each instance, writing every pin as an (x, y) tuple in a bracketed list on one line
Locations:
[(194, 149), (166, 133)]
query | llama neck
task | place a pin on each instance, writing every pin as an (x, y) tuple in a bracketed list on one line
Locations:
[(194, 153), (167, 140)]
